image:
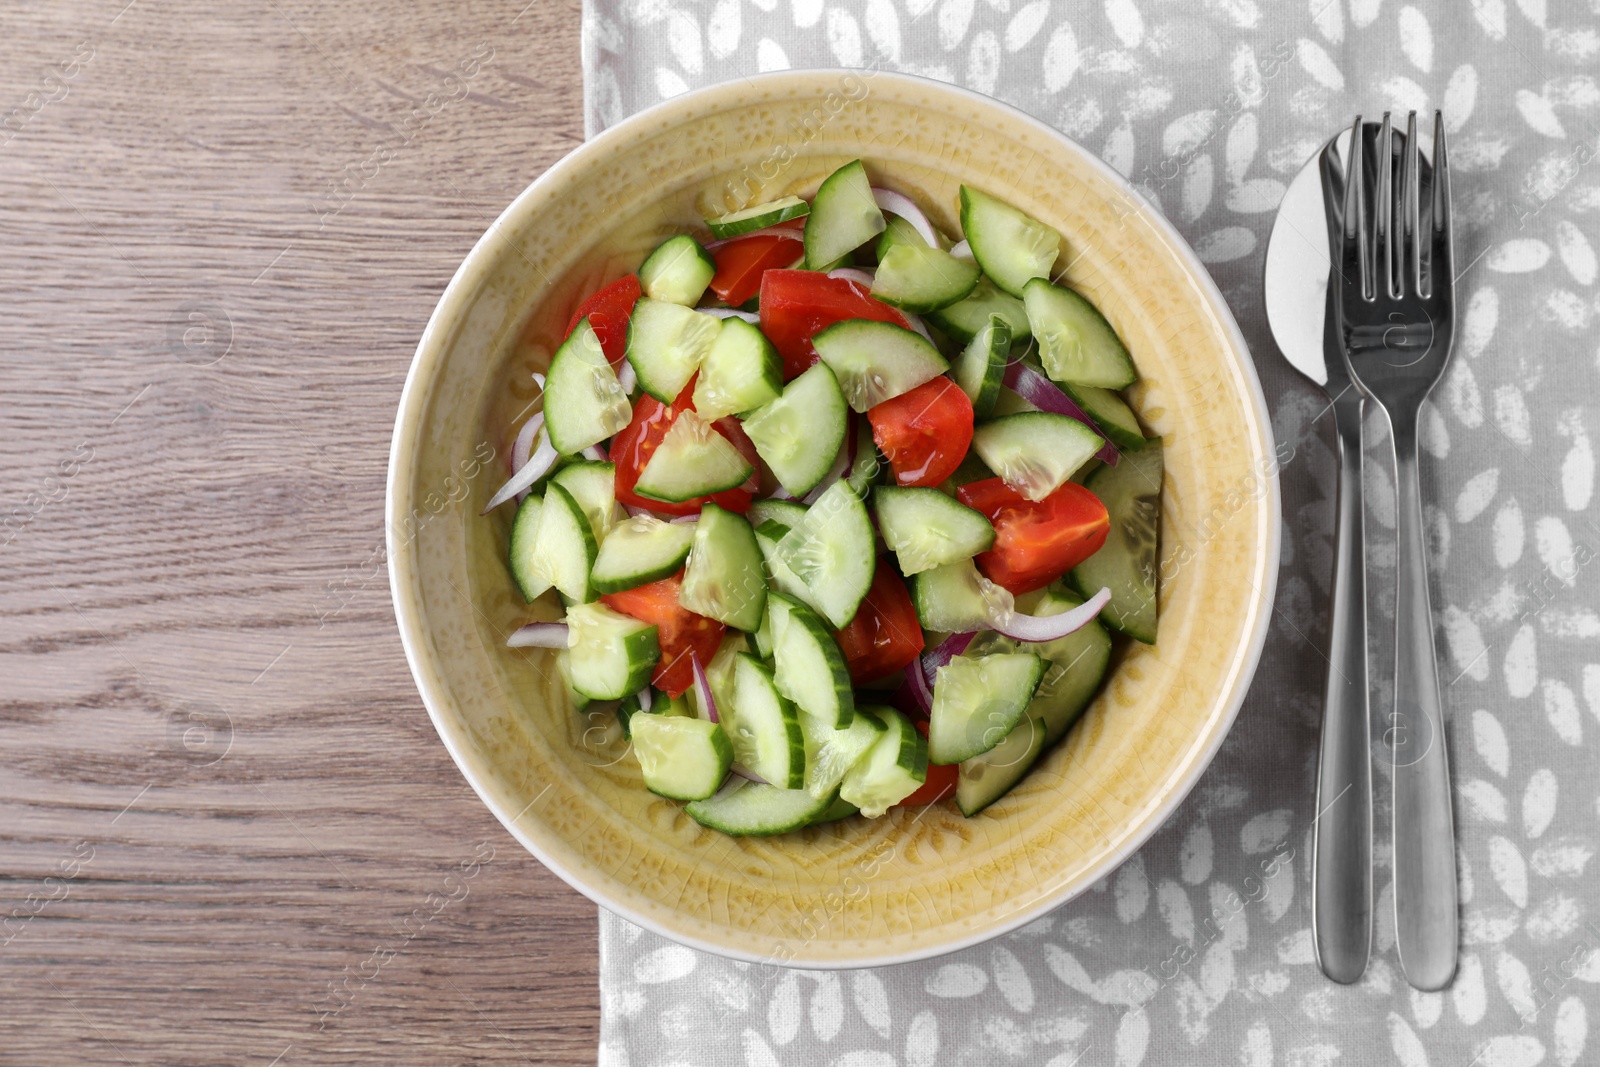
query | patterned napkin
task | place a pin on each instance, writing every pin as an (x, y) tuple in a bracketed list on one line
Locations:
[(1211, 106)]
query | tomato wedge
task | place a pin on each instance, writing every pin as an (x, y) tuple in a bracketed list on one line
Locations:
[(795, 304), (740, 264), (924, 433), (1036, 542), (608, 311), (940, 783), (636, 442), (885, 634), (679, 630)]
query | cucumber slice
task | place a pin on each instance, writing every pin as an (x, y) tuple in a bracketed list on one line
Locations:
[(1126, 563), (564, 668), (639, 550), (926, 529), (1036, 452), (1111, 413), (666, 343), (844, 216), (563, 550), (692, 460), (741, 372), (719, 674), (724, 579), (1011, 247), (523, 530), (678, 271), (897, 232), (750, 809), (891, 770), (787, 512), (759, 217), (583, 402), (610, 654), (1077, 665), (839, 809), (594, 486), (955, 598), (831, 753), (877, 361), (978, 700), (980, 369), (963, 320), (1076, 343), (682, 759), (922, 279), (833, 551), (810, 668), (869, 465), (986, 778), (799, 434), (764, 727), (768, 535)]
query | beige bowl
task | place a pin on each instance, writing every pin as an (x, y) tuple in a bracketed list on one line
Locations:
[(918, 882)]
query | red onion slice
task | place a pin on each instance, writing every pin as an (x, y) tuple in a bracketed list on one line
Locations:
[(594, 452), (744, 772), (900, 204), (1043, 394), (731, 313), (921, 691), (841, 466), (543, 458), (539, 635), (852, 274), (683, 520), (916, 324), (627, 377), (961, 250), (647, 698), (702, 687), (947, 650), (1036, 628), (780, 493), (522, 447)]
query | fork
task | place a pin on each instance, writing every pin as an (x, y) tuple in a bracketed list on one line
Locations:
[(1396, 311)]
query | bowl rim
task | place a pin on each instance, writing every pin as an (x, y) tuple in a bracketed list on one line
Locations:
[(430, 350)]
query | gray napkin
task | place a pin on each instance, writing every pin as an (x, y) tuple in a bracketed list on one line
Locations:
[(1211, 106)]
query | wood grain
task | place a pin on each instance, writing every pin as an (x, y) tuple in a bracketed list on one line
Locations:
[(228, 832)]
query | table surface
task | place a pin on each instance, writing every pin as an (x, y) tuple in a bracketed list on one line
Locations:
[(228, 832)]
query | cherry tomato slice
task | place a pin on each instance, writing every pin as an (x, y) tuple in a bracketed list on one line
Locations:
[(940, 783), (1036, 542), (924, 433), (608, 311), (795, 304), (885, 635), (679, 630), (635, 443), (740, 264)]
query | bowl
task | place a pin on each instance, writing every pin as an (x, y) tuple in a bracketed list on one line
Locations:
[(917, 882)]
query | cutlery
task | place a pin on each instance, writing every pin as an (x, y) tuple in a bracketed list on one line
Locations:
[(1395, 312), (1297, 292)]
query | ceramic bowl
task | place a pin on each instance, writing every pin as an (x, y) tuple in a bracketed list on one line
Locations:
[(917, 882)]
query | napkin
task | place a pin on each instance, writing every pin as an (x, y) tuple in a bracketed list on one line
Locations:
[(1211, 107)]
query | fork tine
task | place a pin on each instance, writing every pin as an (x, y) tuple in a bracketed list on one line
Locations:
[(1441, 264), (1333, 192), (1383, 236), (1410, 276), (1355, 211)]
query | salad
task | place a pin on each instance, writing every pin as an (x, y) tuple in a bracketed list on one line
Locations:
[(843, 514)]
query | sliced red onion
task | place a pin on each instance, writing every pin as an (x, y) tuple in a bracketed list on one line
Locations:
[(594, 452), (961, 250), (780, 493), (900, 204), (538, 379), (947, 650), (539, 635), (683, 520), (1043, 394), (646, 698), (852, 274), (634, 513), (746, 773), (841, 466), (921, 691), (1020, 627), (702, 686), (916, 324), (769, 231), (543, 458), (731, 313), (627, 378), (522, 447)]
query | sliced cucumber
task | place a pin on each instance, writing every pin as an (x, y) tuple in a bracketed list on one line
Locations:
[(978, 700), (739, 373), (682, 759), (980, 369), (750, 809), (764, 726), (719, 674), (1126, 563), (891, 770), (844, 216), (610, 654), (833, 551), (963, 320), (1036, 452), (692, 460), (758, 218), (564, 550), (926, 529), (666, 342), (724, 579), (810, 668), (768, 536), (594, 486), (897, 232), (787, 512), (678, 271), (1076, 343), (1111, 413), (1077, 665), (922, 279), (583, 402), (1011, 247), (987, 777), (839, 809), (639, 550), (955, 598), (799, 434), (877, 361), (831, 753), (524, 529), (869, 465)]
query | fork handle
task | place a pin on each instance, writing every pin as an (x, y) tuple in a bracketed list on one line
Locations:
[(1341, 889), (1424, 837)]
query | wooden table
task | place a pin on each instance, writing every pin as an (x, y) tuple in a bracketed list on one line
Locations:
[(228, 832)]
